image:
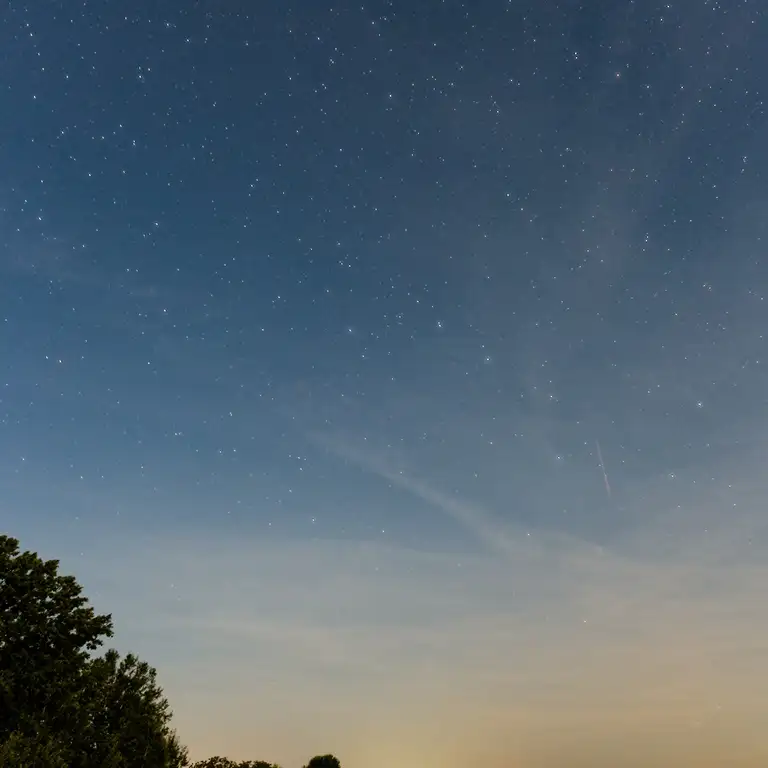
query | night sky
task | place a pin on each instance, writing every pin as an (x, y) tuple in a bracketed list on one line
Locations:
[(396, 373)]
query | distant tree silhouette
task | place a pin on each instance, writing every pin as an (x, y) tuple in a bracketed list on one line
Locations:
[(225, 762), (215, 762), (59, 706), (324, 761)]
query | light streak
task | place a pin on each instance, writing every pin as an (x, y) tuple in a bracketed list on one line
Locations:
[(602, 467)]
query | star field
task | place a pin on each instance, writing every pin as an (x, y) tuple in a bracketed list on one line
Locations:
[(409, 299)]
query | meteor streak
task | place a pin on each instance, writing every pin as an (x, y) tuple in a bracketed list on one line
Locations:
[(602, 467)]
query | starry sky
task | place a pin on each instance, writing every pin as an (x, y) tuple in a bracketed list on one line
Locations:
[(395, 372)]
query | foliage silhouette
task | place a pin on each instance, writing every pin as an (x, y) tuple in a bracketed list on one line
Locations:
[(324, 761), (225, 762), (61, 707)]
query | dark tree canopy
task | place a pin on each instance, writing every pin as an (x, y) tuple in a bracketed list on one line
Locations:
[(129, 706), (60, 707), (32, 750), (324, 761), (47, 630), (63, 707)]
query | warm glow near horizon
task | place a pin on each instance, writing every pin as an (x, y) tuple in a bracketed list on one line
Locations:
[(533, 654)]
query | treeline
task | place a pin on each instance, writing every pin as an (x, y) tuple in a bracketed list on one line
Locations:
[(321, 761), (64, 706)]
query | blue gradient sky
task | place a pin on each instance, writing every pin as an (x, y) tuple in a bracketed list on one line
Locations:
[(311, 324)]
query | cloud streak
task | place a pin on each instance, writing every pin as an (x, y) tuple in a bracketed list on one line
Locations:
[(503, 539)]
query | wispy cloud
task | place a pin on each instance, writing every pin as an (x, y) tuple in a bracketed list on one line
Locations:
[(497, 536)]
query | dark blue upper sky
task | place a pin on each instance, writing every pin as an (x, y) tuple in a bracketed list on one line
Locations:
[(485, 235)]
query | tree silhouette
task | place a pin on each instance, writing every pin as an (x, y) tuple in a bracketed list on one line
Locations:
[(324, 761), (47, 630), (59, 706), (130, 715), (225, 762), (63, 707)]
